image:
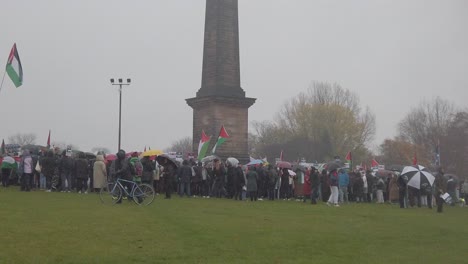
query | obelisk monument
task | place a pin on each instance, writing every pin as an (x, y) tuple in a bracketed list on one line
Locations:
[(221, 100)]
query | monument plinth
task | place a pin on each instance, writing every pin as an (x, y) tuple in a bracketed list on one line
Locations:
[(221, 100)]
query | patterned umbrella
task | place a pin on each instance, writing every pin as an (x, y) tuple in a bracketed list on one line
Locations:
[(418, 176)]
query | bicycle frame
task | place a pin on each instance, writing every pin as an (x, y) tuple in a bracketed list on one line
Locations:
[(120, 185)]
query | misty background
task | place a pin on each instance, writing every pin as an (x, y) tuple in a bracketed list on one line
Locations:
[(392, 54)]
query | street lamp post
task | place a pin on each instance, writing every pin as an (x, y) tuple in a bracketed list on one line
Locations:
[(120, 83)]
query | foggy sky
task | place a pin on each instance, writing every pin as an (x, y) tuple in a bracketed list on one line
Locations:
[(391, 53)]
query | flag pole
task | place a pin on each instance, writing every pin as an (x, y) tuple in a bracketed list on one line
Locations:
[(3, 78)]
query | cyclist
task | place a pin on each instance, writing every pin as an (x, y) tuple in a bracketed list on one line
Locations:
[(121, 168)]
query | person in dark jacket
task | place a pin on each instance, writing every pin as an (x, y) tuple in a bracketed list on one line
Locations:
[(82, 173), (252, 178), (66, 168), (440, 186), (285, 184), (219, 173), (48, 165), (196, 186), (273, 179), (121, 168), (402, 190), (148, 170), (231, 174), (184, 176), (169, 175), (314, 185), (238, 183)]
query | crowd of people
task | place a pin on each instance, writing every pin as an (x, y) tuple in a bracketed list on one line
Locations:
[(81, 174)]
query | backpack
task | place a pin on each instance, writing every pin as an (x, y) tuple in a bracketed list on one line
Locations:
[(136, 163)]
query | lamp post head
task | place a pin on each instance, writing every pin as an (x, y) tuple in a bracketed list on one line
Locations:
[(129, 80), (120, 80), (112, 80)]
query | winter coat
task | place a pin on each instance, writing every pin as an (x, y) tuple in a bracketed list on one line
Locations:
[(48, 165), (252, 178), (393, 189), (81, 168), (381, 185), (184, 174), (274, 178), (66, 165), (343, 179), (99, 172), (306, 188), (121, 168), (334, 178), (148, 170), (239, 180), (314, 180)]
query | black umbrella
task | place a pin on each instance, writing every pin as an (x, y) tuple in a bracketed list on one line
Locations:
[(418, 176), (384, 173), (90, 155), (395, 167), (162, 158), (334, 165)]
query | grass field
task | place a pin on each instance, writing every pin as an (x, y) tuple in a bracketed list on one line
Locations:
[(39, 227)]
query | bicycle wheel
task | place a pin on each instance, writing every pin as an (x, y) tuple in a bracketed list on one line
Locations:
[(110, 194), (143, 194)]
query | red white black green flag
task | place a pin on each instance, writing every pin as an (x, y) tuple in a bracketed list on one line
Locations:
[(223, 136), (14, 68)]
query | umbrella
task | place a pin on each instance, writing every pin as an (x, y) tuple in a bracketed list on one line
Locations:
[(9, 160), (334, 165), (284, 165), (209, 158), (383, 173), (232, 161), (255, 162), (111, 157), (418, 176), (292, 173), (394, 167), (151, 152), (161, 158), (90, 155), (454, 177)]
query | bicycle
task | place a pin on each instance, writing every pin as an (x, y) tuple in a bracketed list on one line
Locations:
[(141, 193)]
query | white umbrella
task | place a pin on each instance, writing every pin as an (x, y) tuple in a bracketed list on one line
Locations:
[(292, 173), (417, 175), (232, 161)]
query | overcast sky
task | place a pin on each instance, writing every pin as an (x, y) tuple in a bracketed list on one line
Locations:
[(391, 53)]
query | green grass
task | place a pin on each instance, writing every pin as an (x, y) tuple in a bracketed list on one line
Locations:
[(39, 227)]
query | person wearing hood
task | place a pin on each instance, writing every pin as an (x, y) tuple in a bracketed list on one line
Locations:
[(121, 168), (99, 173), (26, 169)]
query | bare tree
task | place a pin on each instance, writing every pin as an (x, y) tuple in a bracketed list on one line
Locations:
[(183, 145), (454, 146), (325, 121), (426, 124), (22, 139)]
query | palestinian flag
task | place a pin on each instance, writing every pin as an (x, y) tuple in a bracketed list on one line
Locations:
[(374, 163), (349, 158), (203, 145), (223, 136), (14, 68)]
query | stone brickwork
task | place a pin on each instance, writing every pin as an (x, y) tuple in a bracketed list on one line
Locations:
[(221, 100)]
